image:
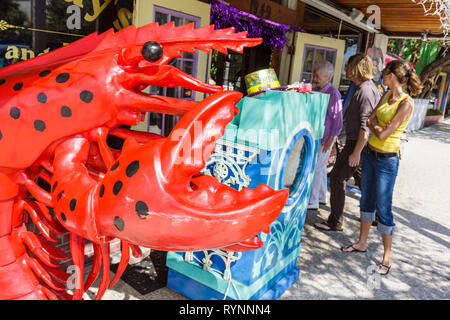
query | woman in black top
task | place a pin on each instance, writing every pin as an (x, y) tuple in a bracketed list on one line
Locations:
[(364, 100)]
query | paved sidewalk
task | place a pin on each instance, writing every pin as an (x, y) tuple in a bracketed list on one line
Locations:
[(420, 253)]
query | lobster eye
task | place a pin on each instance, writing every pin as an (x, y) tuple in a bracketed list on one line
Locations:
[(152, 51)]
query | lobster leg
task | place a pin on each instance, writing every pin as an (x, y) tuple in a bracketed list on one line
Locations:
[(42, 250), (42, 273), (44, 175), (19, 272), (58, 274), (104, 248), (59, 295), (48, 216), (95, 267), (136, 251), (123, 262), (36, 191), (48, 293), (47, 165), (38, 217), (77, 250), (45, 230)]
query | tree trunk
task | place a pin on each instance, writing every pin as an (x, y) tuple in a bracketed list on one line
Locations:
[(416, 54), (430, 73), (400, 46)]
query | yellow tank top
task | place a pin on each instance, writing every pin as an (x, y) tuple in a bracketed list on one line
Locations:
[(385, 113)]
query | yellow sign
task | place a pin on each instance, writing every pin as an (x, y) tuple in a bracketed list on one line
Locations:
[(124, 19), (16, 53), (124, 15), (76, 2), (95, 6)]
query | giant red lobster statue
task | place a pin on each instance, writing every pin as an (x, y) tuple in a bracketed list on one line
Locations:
[(56, 112)]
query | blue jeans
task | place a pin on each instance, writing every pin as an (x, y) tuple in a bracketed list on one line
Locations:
[(377, 186)]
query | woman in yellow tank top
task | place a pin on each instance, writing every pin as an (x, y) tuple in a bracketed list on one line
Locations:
[(385, 115), (380, 157)]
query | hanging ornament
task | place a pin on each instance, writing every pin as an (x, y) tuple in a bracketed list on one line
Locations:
[(272, 33), (440, 8)]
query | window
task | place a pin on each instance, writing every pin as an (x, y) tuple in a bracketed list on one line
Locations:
[(161, 123), (313, 55)]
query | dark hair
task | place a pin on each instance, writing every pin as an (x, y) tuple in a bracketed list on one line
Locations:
[(405, 76)]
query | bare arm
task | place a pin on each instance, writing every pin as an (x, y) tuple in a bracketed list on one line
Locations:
[(327, 145), (353, 159), (373, 115), (403, 112)]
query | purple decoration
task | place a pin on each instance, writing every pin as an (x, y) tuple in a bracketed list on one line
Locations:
[(272, 33)]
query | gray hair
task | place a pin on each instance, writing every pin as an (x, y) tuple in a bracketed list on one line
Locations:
[(325, 66)]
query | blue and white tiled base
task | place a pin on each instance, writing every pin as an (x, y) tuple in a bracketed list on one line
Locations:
[(193, 288)]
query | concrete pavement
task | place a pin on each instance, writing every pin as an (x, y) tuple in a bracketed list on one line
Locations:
[(420, 253)]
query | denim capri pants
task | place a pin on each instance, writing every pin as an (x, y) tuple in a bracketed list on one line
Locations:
[(377, 186)]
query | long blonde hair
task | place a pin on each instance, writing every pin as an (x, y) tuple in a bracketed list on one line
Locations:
[(360, 66)]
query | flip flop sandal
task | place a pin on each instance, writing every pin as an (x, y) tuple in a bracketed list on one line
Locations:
[(380, 265), (325, 229), (354, 249)]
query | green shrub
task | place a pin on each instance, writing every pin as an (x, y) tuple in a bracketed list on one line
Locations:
[(433, 112)]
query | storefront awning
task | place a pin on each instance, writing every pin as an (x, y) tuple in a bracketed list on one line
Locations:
[(401, 17)]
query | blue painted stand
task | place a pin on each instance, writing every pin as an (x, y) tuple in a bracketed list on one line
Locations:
[(265, 273)]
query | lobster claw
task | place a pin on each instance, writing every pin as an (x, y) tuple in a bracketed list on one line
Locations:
[(246, 245), (192, 140), (155, 197)]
